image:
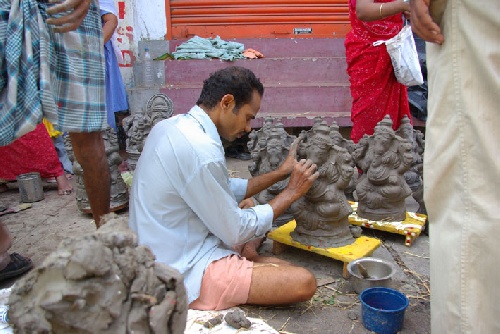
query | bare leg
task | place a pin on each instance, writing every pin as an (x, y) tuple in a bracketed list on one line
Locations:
[(275, 281), (278, 283), (5, 243), (89, 152)]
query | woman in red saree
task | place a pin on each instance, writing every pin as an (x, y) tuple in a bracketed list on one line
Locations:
[(33, 152), (374, 89)]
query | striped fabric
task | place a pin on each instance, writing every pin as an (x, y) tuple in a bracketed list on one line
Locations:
[(47, 74)]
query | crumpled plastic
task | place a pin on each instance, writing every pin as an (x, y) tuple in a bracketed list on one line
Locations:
[(208, 48), (404, 57)]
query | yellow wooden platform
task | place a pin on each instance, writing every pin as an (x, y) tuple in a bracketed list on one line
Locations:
[(361, 247), (411, 227)]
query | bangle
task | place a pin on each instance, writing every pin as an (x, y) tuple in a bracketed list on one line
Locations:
[(380, 10)]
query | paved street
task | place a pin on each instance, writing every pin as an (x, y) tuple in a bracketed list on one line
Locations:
[(334, 309)]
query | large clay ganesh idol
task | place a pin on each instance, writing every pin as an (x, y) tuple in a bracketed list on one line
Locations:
[(384, 158), (322, 214)]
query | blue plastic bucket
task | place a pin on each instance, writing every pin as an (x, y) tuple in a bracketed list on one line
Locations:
[(383, 310)]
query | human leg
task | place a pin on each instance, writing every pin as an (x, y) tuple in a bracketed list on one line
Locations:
[(11, 265), (88, 148), (62, 154), (277, 282), (234, 280), (64, 187), (5, 243)]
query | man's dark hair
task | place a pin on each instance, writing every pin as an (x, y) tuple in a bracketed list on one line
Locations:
[(235, 80)]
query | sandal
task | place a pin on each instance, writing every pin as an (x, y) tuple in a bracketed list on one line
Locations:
[(17, 266)]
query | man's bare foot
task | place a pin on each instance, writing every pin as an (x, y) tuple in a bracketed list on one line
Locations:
[(64, 187)]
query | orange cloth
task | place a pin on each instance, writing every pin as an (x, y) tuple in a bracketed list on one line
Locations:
[(252, 54), (226, 283)]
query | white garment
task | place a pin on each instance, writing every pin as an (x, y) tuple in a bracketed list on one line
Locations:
[(183, 205), (462, 168)]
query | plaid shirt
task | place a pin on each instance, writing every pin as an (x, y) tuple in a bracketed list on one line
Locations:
[(47, 74)]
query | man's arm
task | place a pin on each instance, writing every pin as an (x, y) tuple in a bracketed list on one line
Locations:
[(77, 10), (369, 10), (423, 24), (110, 23), (264, 181)]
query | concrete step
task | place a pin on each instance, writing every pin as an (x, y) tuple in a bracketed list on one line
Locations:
[(294, 106), (288, 47), (284, 72), (303, 78)]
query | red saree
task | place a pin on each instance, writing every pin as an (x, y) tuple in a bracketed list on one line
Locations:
[(374, 89), (32, 152)]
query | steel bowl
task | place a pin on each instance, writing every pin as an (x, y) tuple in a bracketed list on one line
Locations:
[(380, 273)]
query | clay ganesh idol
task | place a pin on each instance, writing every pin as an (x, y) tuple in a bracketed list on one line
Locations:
[(383, 158), (270, 147), (322, 214)]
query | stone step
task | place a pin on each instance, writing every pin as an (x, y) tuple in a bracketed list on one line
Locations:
[(285, 72), (294, 106), (288, 47), (303, 78)]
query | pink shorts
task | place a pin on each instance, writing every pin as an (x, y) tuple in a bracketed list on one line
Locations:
[(226, 283)]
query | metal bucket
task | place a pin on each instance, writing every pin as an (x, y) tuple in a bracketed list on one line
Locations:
[(30, 187), (380, 271)]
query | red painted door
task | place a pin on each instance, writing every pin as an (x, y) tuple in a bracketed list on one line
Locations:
[(257, 18)]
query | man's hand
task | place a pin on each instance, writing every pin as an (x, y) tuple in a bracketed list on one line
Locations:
[(303, 176), (423, 24), (246, 203), (291, 160), (76, 12)]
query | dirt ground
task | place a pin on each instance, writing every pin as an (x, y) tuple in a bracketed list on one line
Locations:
[(335, 308)]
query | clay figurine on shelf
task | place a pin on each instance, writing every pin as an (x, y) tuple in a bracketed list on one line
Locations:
[(383, 158)]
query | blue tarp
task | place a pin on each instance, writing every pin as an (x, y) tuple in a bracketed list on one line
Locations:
[(208, 48)]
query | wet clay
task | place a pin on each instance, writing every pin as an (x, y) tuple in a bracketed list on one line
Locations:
[(237, 319), (102, 282)]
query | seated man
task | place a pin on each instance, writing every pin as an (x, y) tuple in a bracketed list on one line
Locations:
[(184, 205)]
